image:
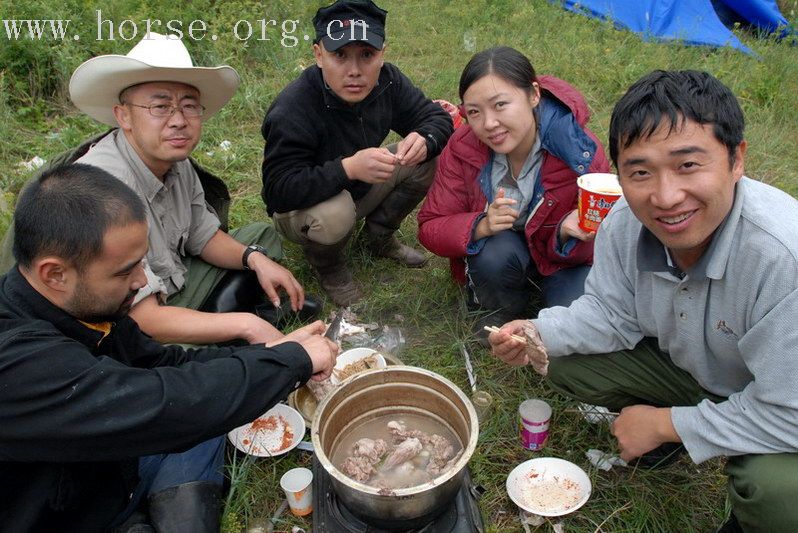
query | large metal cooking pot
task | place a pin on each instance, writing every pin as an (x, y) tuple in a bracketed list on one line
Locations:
[(395, 390)]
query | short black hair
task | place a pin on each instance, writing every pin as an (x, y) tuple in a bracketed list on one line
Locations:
[(675, 96), (66, 212), (503, 61)]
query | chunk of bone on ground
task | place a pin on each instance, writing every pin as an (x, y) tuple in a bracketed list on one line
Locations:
[(372, 449), (405, 451)]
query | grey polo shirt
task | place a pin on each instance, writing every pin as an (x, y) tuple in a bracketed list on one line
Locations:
[(730, 321), (180, 221)]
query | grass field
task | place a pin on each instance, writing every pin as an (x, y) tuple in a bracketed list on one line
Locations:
[(431, 42)]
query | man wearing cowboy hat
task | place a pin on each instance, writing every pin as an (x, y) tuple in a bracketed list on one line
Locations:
[(158, 100), (323, 137)]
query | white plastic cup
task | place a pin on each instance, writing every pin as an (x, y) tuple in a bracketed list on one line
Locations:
[(535, 415), (298, 488), (482, 402)]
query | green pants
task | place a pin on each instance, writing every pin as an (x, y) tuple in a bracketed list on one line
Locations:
[(202, 278), (762, 489)]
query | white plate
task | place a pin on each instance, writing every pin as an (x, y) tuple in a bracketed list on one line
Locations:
[(355, 354), (255, 439), (533, 482)]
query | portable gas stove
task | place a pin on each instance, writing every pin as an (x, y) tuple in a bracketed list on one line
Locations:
[(331, 515)]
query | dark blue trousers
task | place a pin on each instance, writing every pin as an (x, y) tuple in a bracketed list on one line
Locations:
[(503, 277), (203, 462)]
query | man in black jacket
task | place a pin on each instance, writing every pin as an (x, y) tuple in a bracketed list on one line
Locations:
[(95, 416), (323, 165)]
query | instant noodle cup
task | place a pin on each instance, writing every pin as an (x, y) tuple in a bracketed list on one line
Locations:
[(535, 415), (597, 194), (453, 111)]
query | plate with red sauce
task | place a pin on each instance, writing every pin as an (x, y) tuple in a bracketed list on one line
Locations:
[(275, 432), (548, 486)]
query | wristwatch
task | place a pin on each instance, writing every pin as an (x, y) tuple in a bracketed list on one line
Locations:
[(248, 250)]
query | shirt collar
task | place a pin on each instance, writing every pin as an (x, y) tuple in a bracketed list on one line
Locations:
[(652, 256), (149, 182), (529, 164)]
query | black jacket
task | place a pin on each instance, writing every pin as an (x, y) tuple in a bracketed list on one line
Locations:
[(308, 131), (77, 409)]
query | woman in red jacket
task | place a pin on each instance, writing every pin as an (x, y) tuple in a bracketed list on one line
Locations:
[(502, 207)]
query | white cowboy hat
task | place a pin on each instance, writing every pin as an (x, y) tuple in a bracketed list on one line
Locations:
[(96, 84)]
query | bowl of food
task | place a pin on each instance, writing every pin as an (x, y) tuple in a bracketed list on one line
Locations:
[(354, 361), (276, 432), (548, 486)]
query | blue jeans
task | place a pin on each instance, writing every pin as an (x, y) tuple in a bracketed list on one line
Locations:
[(502, 275), (203, 462)]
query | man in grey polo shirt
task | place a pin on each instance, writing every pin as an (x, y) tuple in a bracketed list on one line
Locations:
[(687, 324), (159, 100)]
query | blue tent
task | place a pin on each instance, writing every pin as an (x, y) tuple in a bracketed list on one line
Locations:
[(693, 22)]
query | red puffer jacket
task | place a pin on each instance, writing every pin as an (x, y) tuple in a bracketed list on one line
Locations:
[(459, 194)]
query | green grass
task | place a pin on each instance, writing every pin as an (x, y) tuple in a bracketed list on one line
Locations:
[(427, 40)]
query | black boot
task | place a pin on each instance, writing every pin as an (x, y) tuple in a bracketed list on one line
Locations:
[(188, 508), (281, 316), (138, 522), (659, 457), (731, 526), (237, 291), (382, 223), (334, 275)]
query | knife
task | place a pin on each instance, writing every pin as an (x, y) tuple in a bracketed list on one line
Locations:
[(335, 327)]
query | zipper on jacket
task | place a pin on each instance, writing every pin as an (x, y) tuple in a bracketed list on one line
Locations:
[(363, 129)]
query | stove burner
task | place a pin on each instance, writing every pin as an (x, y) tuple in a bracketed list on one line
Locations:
[(331, 515)]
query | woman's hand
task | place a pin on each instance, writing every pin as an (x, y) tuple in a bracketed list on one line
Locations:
[(570, 228), (499, 217)]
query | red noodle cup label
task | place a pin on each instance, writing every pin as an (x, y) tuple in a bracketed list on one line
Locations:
[(597, 194), (535, 415)]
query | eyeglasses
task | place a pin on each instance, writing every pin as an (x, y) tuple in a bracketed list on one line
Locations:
[(167, 110)]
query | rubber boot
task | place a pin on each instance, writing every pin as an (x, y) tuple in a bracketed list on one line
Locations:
[(334, 275), (382, 223), (138, 522), (237, 291), (281, 316), (188, 508), (731, 526)]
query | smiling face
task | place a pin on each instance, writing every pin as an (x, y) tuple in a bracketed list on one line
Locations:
[(104, 290), (351, 71), (680, 185), (500, 113), (159, 141)]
